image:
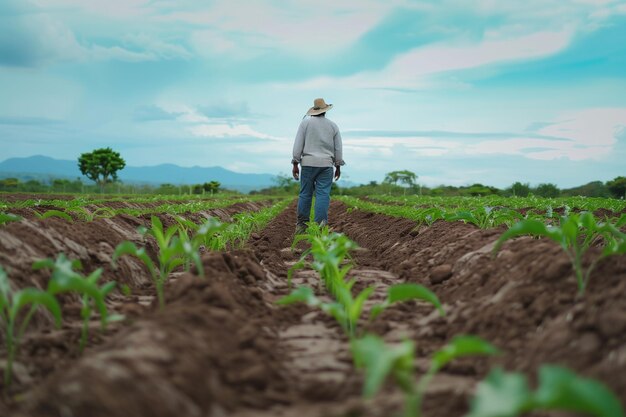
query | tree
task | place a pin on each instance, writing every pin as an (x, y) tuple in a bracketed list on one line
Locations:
[(404, 177), (520, 190), (547, 190), (286, 182), (479, 190), (617, 187), (9, 184), (212, 186), (101, 166)]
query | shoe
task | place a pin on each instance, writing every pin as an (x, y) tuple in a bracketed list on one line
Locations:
[(300, 229)]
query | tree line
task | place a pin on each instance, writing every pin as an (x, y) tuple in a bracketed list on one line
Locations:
[(101, 166)]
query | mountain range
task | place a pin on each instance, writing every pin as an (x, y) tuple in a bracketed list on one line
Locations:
[(44, 168)]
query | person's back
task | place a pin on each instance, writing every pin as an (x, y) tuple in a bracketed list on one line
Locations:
[(319, 143), (317, 148)]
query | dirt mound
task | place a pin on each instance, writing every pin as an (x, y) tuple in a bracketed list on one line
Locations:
[(524, 300), (212, 348)]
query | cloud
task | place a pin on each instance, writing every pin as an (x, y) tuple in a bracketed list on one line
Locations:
[(227, 131), (147, 113), (592, 135), (418, 68), (226, 110), (584, 135), (30, 38), (289, 25)]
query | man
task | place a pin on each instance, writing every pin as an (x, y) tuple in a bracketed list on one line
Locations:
[(318, 149)]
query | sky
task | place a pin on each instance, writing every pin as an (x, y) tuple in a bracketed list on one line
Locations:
[(457, 91)]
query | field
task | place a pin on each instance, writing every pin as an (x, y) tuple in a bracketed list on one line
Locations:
[(221, 345)]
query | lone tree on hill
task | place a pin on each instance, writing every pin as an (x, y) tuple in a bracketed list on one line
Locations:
[(101, 166), (403, 177)]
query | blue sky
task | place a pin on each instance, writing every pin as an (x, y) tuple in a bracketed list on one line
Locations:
[(456, 91)]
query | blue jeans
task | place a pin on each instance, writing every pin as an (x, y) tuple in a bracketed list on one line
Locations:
[(318, 180)]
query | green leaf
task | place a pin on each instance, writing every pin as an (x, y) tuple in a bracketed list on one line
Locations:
[(462, 346), (112, 318), (5, 287), (529, 227), (8, 217), (95, 276), (561, 389), (379, 360), (405, 292), (377, 309), (356, 307), (62, 282), (107, 288), (37, 298), (501, 395), (129, 248), (300, 295), (55, 213)]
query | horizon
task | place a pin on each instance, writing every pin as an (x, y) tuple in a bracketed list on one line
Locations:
[(341, 184), (457, 93)]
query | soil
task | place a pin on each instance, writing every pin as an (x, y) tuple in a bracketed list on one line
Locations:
[(221, 346)]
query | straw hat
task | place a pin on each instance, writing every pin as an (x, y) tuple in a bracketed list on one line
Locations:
[(319, 107)]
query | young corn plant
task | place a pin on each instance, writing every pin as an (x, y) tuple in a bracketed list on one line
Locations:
[(504, 394), (329, 250), (8, 217), (347, 310), (173, 251), (14, 323), (54, 213), (65, 278), (485, 217), (380, 361), (575, 235)]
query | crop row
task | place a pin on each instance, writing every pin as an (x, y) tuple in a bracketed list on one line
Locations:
[(575, 233), (500, 394), (179, 246), (533, 202), (81, 201), (83, 214)]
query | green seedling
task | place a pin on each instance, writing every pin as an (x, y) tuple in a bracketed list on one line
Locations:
[(65, 278), (103, 212), (347, 310), (81, 212), (174, 251), (329, 250), (380, 361), (504, 394), (14, 323), (431, 215), (235, 235), (405, 292), (8, 217), (575, 235), (485, 217), (346, 313), (54, 213)]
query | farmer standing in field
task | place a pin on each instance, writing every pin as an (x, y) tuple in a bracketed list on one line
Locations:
[(318, 149)]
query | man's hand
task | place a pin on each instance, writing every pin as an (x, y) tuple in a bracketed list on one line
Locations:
[(337, 172), (295, 172)]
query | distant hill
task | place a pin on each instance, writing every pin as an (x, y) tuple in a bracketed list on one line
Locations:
[(44, 168), (592, 189)]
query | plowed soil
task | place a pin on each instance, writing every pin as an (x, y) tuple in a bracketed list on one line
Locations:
[(221, 347)]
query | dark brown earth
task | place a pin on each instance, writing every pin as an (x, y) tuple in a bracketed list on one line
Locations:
[(221, 347)]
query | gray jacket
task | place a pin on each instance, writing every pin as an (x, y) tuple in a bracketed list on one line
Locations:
[(318, 143)]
